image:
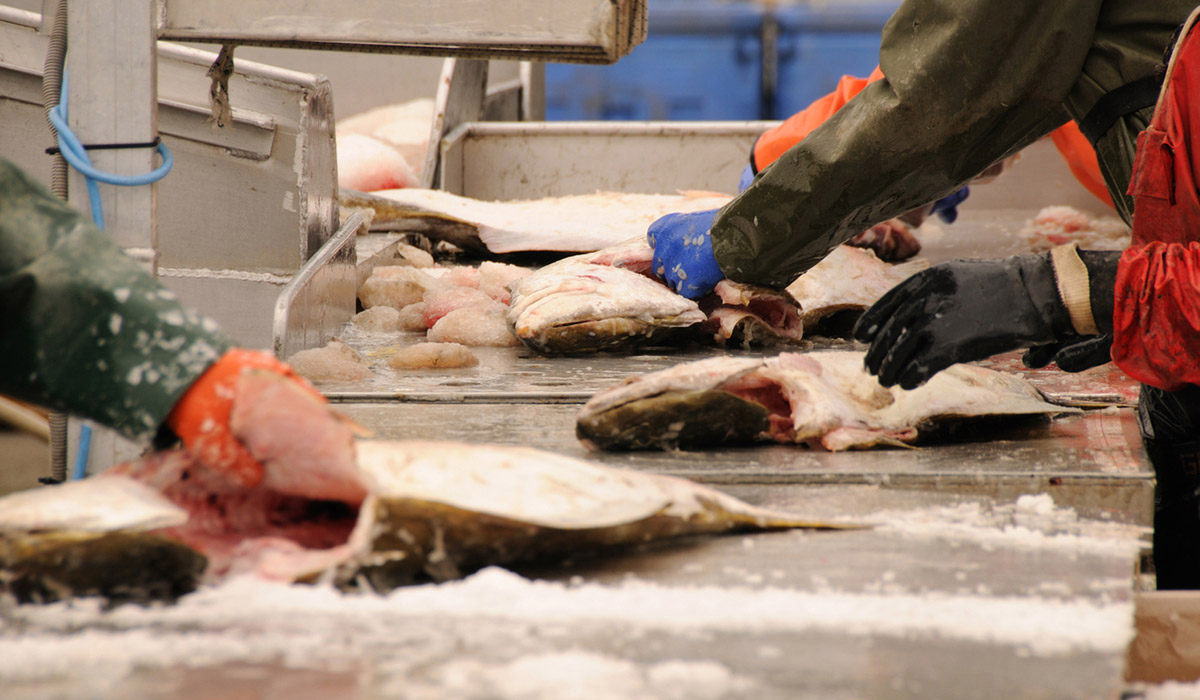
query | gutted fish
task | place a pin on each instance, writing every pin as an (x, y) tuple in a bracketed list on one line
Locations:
[(1059, 225), (822, 399), (373, 514), (578, 223), (433, 511)]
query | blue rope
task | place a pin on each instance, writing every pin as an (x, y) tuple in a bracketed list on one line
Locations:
[(72, 149), (75, 154)]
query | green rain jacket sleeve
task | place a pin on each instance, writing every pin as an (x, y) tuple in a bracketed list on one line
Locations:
[(83, 327), (968, 82)]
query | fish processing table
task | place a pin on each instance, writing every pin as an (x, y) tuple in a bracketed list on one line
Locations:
[(1002, 563)]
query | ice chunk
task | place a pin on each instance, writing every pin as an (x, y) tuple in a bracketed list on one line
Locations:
[(412, 317), (439, 302), (379, 319), (433, 356), (474, 326), (336, 362)]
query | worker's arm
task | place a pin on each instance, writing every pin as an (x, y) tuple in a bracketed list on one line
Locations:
[(1157, 314), (967, 83), (88, 331)]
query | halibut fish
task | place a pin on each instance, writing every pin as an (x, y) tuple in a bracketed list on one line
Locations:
[(571, 224), (822, 399), (611, 299), (362, 514)]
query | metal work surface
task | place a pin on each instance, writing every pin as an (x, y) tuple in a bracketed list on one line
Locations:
[(1093, 462)]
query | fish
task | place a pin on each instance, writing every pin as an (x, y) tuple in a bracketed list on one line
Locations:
[(752, 315), (570, 224), (1060, 225), (574, 306), (848, 279), (821, 399), (356, 513), (364, 163), (611, 299)]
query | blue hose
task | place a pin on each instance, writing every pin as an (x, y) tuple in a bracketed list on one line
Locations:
[(75, 154), (81, 457)]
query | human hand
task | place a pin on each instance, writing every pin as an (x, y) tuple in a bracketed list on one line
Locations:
[(961, 311), (253, 420), (683, 255)]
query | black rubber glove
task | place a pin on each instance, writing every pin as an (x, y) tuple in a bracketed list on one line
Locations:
[(961, 311), (1071, 355), (971, 309), (1084, 352)]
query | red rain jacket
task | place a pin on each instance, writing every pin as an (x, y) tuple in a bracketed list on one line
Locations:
[(1156, 319)]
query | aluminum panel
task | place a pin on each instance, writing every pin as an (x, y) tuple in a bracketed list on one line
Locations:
[(572, 30), (502, 161)]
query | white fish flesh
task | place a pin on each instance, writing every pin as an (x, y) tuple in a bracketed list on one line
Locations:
[(577, 223), (847, 279), (822, 399), (365, 163)]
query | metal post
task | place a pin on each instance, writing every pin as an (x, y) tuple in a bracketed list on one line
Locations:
[(112, 99), (111, 66)]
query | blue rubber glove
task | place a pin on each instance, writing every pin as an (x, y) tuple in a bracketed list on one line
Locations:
[(747, 179), (683, 254), (947, 207)]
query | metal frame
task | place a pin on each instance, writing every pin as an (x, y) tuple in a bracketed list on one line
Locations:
[(593, 31)]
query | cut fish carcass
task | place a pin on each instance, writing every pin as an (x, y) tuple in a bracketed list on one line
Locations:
[(822, 399), (432, 510)]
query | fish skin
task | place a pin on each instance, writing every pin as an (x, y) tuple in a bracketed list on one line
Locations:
[(96, 537), (390, 215), (575, 223), (433, 510), (822, 399)]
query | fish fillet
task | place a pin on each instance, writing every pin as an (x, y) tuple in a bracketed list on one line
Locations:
[(821, 399)]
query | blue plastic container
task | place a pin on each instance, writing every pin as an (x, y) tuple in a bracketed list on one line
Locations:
[(700, 60), (819, 44)]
